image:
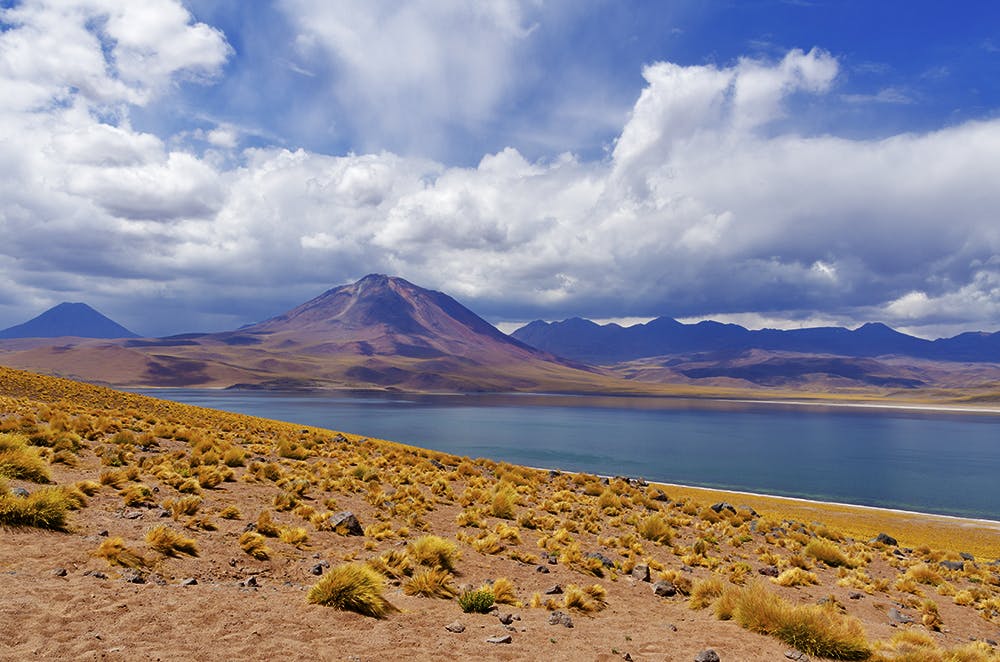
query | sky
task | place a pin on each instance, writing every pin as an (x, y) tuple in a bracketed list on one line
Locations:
[(200, 165)]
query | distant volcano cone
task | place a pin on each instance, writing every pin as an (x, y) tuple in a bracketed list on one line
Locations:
[(69, 319)]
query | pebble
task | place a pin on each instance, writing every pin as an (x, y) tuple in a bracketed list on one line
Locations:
[(455, 627), (708, 655), (501, 639)]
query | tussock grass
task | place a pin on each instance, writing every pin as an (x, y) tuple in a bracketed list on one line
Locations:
[(45, 508), (504, 502), (705, 591), (394, 563), (588, 599), (504, 593), (827, 552), (255, 545), (18, 460), (430, 583), (114, 551), (168, 542), (352, 587), (812, 629), (796, 577), (435, 552), (186, 506), (657, 529), (294, 535)]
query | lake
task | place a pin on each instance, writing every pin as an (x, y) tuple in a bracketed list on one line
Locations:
[(937, 462)]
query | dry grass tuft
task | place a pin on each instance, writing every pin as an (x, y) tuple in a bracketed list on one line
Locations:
[(45, 508), (705, 591), (114, 551), (352, 587), (430, 583), (827, 552), (18, 460), (655, 528), (587, 600), (434, 552), (255, 545), (796, 577), (394, 563), (170, 543), (504, 593), (812, 629)]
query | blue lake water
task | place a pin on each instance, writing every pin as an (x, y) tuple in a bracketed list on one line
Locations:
[(946, 463)]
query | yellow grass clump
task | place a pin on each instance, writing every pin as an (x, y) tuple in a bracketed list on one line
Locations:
[(813, 629), (18, 460), (170, 543), (430, 583), (827, 551), (434, 551), (114, 551), (255, 545), (352, 587), (796, 577), (45, 508)]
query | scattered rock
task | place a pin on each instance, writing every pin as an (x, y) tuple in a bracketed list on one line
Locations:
[(553, 590), (664, 589), (190, 581), (722, 505), (967, 556), (660, 495), (346, 524), (164, 513), (769, 571), (560, 618), (455, 627), (436, 464), (132, 514), (103, 533), (249, 582), (501, 639), (899, 617), (134, 577), (641, 572), (59, 572), (98, 575), (605, 561), (626, 656), (19, 491), (750, 511), (886, 540), (707, 656), (796, 655), (317, 569), (856, 595), (506, 619), (953, 565), (542, 569)]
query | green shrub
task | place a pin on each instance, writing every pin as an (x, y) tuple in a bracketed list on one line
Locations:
[(478, 601)]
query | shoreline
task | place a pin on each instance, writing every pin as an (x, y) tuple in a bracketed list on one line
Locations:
[(958, 409)]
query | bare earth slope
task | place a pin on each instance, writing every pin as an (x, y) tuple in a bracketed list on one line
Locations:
[(100, 585)]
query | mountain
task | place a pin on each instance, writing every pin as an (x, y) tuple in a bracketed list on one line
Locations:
[(69, 319), (380, 332), (582, 340)]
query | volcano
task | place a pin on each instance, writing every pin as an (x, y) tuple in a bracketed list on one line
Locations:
[(69, 319)]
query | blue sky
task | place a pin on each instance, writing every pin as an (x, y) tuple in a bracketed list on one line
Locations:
[(201, 165)]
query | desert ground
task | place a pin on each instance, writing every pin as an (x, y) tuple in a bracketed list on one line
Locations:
[(139, 529)]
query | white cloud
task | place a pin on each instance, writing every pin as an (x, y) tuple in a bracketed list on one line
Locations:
[(707, 204)]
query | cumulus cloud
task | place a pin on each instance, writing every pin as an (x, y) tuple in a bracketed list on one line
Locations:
[(708, 202)]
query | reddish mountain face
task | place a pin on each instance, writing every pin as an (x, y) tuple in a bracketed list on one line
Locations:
[(388, 316)]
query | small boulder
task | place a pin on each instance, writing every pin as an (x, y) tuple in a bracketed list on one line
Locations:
[(953, 565), (501, 639), (660, 495), (605, 561), (897, 616), (797, 655), (190, 581), (19, 492), (59, 572), (664, 589), (769, 571), (346, 524), (249, 582), (134, 577), (455, 626), (553, 590), (707, 656), (967, 556), (722, 505), (560, 618), (641, 572), (885, 539), (542, 569)]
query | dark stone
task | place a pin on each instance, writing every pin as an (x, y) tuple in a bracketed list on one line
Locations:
[(164, 513), (339, 439), (506, 619), (317, 569), (560, 618), (346, 524), (98, 575), (190, 581), (134, 577), (251, 526), (542, 569), (899, 617), (967, 556), (664, 589), (19, 492), (660, 495), (749, 510), (954, 565), (249, 582), (103, 533), (722, 505), (501, 639), (132, 514), (554, 590), (455, 627), (856, 595), (885, 540), (707, 656), (436, 464), (769, 571), (641, 572), (605, 561), (59, 572)]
